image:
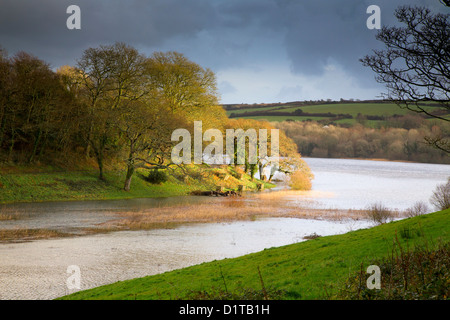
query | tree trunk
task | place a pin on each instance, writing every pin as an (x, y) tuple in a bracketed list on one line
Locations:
[(35, 146), (11, 147), (261, 172), (100, 169), (130, 172), (99, 156), (2, 129), (98, 150), (87, 151)]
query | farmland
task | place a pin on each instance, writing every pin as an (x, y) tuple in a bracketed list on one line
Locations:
[(371, 113)]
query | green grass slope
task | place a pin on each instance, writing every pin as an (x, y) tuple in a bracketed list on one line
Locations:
[(61, 186), (307, 270), (50, 185)]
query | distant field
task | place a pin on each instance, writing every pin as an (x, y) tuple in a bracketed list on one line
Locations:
[(237, 111), (373, 109), (317, 112), (284, 118)]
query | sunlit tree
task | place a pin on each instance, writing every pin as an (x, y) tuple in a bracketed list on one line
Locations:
[(110, 75)]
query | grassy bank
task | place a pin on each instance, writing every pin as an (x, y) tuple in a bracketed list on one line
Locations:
[(312, 269), (49, 184)]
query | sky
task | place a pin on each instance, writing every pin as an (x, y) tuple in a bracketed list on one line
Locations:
[(262, 51)]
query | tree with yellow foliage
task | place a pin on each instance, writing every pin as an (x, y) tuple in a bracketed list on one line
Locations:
[(288, 160)]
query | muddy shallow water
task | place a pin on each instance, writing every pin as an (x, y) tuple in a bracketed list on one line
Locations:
[(38, 269)]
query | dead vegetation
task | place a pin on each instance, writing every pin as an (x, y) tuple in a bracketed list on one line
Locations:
[(253, 206), (226, 210), (22, 235)]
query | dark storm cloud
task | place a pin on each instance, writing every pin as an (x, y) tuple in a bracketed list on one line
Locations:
[(308, 36), (321, 32), (39, 27)]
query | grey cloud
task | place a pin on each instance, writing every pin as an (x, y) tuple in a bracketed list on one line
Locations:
[(220, 34), (290, 93), (39, 27), (321, 30), (226, 88), (317, 32)]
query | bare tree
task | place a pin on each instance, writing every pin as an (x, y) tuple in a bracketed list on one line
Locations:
[(415, 65), (441, 196)]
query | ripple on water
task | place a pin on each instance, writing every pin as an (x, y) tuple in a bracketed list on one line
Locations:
[(38, 269)]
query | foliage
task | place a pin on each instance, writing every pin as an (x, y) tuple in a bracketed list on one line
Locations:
[(116, 104), (300, 180), (379, 213), (392, 143), (441, 196), (417, 209), (157, 176), (421, 273), (289, 159), (185, 85), (36, 111)]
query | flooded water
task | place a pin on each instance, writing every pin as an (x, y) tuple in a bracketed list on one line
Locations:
[(354, 184), (71, 216), (38, 269)]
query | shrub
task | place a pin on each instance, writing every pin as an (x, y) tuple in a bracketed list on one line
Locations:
[(406, 274), (409, 232), (441, 196), (379, 213), (311, 236), (240, 293), (156, 176), (417, 209), (300, 180)]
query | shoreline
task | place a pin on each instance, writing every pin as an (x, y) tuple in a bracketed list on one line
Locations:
[(112, 187), (379, 160), (66, 186)]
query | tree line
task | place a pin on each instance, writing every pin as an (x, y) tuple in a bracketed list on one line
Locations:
[(296, 112), (393, 143), (114, 104)]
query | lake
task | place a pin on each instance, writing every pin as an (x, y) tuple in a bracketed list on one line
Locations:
[(353, 184), (38, 269)]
